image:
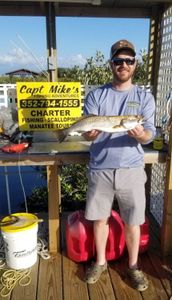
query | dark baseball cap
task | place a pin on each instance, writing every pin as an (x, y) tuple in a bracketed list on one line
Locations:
[(122, 45)]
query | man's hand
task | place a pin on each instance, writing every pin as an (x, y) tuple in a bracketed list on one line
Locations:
[(140, 134), (91, 135), (136, 132)]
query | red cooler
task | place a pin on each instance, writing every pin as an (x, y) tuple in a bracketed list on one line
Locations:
[(116, 239), (80, 241), (79, 237), (144, 236)]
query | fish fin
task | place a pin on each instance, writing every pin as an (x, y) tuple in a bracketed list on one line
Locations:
[(60, 135), (117, 126)]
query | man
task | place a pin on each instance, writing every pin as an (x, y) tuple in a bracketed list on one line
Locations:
[(116, 165)]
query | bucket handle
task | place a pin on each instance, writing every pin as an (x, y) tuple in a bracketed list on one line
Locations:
[(13, 220)]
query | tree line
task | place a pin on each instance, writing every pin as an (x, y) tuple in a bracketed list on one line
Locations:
[(96, 71)]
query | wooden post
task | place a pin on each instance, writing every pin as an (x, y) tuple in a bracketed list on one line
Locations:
[(166, 229), (54, 199), (51, 41)]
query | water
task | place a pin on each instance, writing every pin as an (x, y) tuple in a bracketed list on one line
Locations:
[(31, 177)]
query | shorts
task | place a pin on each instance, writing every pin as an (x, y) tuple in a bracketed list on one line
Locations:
[(127, 185)]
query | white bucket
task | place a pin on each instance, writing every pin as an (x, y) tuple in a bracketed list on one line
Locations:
[(20, 241)]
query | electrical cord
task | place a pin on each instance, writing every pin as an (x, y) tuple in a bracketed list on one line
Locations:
[(22, 185)]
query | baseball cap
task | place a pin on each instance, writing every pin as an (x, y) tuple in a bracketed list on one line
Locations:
[(122, 45)]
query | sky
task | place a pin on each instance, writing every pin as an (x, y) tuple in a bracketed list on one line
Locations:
[(23, 40)]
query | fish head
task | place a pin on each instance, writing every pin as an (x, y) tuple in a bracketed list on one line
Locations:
[(140, 119), (131, 123)]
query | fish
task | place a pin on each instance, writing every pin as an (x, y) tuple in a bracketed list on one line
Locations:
[(111, 124)]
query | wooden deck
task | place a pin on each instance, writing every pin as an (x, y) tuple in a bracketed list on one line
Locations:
[(61, 279)]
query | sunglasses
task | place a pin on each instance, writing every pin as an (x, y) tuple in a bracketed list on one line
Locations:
[(120, 61)]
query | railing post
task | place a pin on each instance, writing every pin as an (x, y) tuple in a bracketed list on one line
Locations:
[(54, 200)]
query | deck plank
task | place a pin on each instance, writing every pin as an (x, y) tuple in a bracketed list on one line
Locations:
[(122, 288), (74, 286), (155, 290), (151, 263), (102, 289), (164, 276), (27, 292), (162, 266), (59, 278), (50, 279)]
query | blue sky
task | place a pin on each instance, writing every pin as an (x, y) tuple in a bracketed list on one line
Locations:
[(23, 39)]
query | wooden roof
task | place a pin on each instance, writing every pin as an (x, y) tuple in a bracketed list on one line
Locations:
[(22, 72), (89, 8)]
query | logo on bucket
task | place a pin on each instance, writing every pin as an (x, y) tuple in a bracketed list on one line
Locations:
[(24, 253)]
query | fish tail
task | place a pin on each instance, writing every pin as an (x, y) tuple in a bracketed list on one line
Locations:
[(60, 135)]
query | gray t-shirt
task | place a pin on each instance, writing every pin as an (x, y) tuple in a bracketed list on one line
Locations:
[(118, 150)]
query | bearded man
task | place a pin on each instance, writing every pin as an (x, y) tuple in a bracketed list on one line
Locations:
[(116, 167)]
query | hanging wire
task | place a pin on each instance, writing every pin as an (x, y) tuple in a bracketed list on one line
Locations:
[(22, 185), (23, 190), (38, 64), (7, 189)]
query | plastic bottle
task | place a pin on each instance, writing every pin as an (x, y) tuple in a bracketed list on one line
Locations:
[(158, 142)]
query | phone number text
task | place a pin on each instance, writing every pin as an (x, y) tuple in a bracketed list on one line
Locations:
[(49, 103)]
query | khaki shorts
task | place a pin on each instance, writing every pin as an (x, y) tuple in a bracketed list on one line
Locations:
[(126, 185)]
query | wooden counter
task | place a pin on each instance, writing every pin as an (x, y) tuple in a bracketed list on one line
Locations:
[(51, 153)]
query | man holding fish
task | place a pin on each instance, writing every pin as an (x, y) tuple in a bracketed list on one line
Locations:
[(116, 167)]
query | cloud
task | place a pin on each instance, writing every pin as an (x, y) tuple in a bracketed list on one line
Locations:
[(16, 55), (17, 58), (71, 61)]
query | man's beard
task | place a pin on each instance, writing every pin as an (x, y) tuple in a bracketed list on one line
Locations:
[(122, 79)]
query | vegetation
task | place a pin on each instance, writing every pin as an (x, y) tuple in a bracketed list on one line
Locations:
[(13, 79), (142, 69), (73, 190), (97, 71)]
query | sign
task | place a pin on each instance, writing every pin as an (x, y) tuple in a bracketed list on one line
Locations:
[(48, 105)]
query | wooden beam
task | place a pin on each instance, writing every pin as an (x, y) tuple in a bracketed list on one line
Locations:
[(18, 9), (104, 12), (37, 9), (122, 2)]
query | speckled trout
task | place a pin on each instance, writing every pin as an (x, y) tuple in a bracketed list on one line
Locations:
[(109, 124)]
